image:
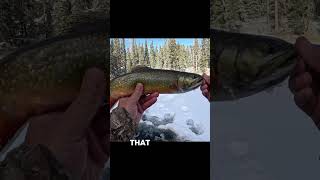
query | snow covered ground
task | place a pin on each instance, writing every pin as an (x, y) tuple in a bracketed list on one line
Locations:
[(190, 112), (18, 140), (264, 137)]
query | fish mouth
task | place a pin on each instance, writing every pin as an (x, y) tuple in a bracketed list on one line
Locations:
[(273, 72), (196, 82)]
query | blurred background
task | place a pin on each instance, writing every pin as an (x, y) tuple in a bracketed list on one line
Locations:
[(265, 136), (24, 22), (286, 19)]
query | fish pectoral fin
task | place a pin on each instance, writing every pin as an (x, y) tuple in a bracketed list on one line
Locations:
[(140, 68)]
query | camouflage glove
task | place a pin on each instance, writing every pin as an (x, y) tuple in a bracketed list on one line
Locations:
[(123, 127)]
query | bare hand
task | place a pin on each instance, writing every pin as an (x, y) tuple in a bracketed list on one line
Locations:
[(304, 82), (79, 136), (137, 103), (205, 86)]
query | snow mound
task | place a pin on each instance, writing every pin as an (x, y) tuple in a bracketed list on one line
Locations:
[(184, 108), (187, 115)]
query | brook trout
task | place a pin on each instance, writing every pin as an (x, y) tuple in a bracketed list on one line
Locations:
[(246, 64), (46, 75), (153, 80)]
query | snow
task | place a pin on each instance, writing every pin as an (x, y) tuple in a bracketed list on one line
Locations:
[(264, 136), (185, 108), (18, 139), (191, 112)]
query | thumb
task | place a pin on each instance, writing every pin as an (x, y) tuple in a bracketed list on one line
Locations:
[(309, 53), (79, 114), (137, 93)]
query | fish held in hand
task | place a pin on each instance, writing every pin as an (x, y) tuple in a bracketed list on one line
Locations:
[(154, 80), (245, 64), (46, 76)]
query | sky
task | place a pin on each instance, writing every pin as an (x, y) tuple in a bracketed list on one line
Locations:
[(160, 41)]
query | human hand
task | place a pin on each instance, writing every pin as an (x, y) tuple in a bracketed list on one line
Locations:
[(137, 103), (79, 136), (304, 81), (205, 86), (112, 102)]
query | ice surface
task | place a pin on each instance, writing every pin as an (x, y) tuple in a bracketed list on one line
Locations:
[(184, 108)]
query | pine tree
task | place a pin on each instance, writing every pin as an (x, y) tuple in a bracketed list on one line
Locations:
[(146, 55), (135, 54), (112, 59), (116, 58), (123, 57), (163, 60), (196, 54), (227, 14), (111, 46), (242, 11), (153, 55), (182, 57), (173, 58), (205, 55), (158, 58), (253, 8), (170, 55), (141, 55), (277, 15), (300, 14), (129, 60)]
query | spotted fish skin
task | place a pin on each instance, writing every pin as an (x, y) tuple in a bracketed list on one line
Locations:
[(245, 64), (46, 75), (154, 80)]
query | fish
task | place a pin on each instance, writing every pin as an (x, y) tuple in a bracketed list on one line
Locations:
[(46, 75), (245, 64), (153, 80)]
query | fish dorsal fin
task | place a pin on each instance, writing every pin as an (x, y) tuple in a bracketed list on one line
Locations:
[(140, 68)]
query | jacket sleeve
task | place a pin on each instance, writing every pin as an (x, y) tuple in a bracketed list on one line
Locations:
[(31, 163), (123, 128)]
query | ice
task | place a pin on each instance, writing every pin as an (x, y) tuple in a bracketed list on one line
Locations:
[(18, 140), (148, 122), (176, 111), (239, 148), (186, 107)]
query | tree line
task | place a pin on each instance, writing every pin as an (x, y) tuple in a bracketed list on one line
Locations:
[(170, 55), (279, 15)]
